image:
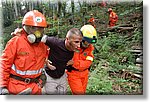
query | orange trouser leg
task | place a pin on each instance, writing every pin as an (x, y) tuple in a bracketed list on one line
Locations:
[(84, 82), (78, 82), (112, 23), (16, 86), (75, 84)]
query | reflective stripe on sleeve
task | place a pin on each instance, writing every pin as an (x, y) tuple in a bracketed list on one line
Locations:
[(27, 72), (89, 58)]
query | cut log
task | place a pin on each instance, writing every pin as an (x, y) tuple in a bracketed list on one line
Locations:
[(139, 60), (126, 28), (136, 51), (121, 27), (125, 25), (138, 76)]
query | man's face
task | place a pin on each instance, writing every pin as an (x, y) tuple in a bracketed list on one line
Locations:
[(74, 42)]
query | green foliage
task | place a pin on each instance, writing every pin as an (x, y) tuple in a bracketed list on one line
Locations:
[(112, 51), (99, 82), (19, 20), (130, 11), (7, 33), (1, 45), (6, 38), (113, 56), (138, 35)]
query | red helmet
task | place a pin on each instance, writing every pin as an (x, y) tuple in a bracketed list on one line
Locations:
[(34, 18), (110, 10)]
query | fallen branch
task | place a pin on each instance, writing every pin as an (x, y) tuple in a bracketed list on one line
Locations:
[(136, 51)]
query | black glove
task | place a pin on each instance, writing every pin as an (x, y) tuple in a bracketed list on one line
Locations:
[(70, 68)]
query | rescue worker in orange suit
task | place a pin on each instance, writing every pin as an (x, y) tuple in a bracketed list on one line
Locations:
[(23, 58), (92, 21), (78, 67), (113, 17), (61, 51)]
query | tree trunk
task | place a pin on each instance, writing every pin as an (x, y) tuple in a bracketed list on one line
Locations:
[(72, 7), (59, 9), (16, 11)]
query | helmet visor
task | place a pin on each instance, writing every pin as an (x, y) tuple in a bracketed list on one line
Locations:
[(90, 40)]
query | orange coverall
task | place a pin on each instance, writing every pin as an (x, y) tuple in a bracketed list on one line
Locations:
[(92, 21), (113, 18), (22, 59), (78, 80)]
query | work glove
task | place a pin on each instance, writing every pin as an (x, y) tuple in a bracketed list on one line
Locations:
[(44, 38), (4, 91), (16, 32)]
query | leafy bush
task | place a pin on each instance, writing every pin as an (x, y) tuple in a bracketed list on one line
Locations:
[(99, 82)]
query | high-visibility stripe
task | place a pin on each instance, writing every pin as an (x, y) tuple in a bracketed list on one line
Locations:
[(89, 58), (28, 72)]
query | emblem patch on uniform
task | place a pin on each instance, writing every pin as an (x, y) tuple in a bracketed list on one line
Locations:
[(85, 54), (23, 53), (38, 19)]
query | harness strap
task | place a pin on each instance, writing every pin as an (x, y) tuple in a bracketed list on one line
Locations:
[(26, 80), (79, 70), (70, 68)]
